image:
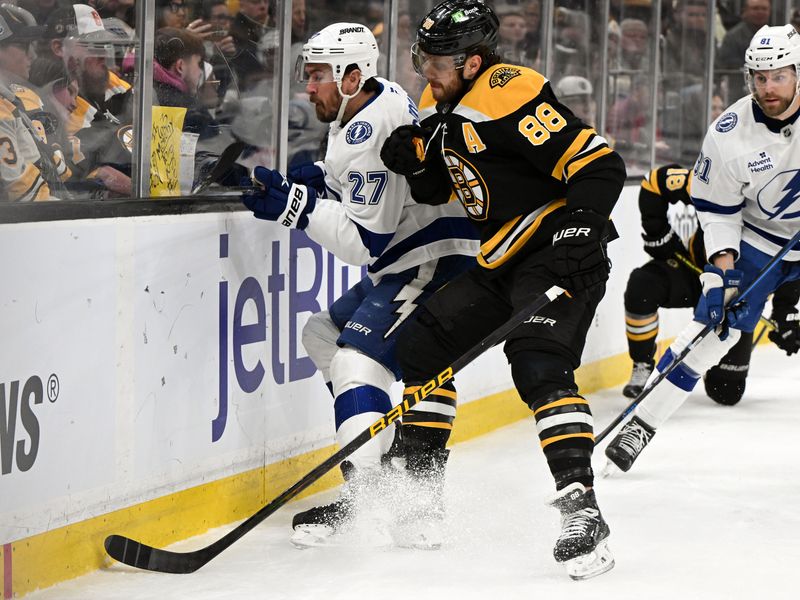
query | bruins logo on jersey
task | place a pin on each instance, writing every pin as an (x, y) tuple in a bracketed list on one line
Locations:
[(502, 76), (468, 185)]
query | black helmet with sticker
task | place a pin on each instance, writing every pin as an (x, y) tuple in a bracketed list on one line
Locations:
[(458, 26)]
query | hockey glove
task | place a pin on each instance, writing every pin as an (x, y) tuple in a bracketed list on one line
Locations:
[(309, 174), (787, 334), (579, 257), (288, 204), (404, 151), (663, 246), (719, 290)]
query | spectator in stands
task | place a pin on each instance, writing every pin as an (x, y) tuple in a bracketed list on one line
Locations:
[(634, 51), (686, 40), (256, 42), (575, 92), (101, 124), (30, 167), (178, 73), (570, 42), (533, 20), (124, 10), (171, 13), (511, 33), (795, 19), (755, 14), (299, 30)]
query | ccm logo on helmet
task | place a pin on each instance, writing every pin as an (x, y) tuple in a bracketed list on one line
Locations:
[(351, 30), (571, 232)]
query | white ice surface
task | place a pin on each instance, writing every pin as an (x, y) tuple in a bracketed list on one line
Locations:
[(710, 511)]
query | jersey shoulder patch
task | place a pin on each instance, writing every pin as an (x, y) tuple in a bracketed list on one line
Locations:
[(502, 90)]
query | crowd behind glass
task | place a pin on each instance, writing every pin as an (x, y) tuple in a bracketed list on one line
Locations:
[(639, 71)]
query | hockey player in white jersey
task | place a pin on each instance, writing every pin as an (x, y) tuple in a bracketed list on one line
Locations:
[(353, 206), (746, 192)]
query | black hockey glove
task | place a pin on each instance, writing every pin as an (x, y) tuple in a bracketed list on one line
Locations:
[(404, 151), (664, 246), (579, 255), (787, 335)]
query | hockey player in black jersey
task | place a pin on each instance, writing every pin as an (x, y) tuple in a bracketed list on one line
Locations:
[(540, 184), (671, 280)]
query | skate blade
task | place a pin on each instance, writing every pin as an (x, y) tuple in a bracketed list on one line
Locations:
[(595, 563), (312, 536), (610, 469), (424, 536)]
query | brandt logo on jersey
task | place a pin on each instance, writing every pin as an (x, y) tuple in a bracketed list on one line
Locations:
[(780, 198), (502, 76), (358, 132), (727, 122)]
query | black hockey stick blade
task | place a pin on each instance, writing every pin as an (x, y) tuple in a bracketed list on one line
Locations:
[(696, 340), (222, 167), (142, 556)]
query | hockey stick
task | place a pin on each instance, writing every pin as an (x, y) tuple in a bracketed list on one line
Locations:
[(142, 556), (222, 167), (764, 320), (695, 341)]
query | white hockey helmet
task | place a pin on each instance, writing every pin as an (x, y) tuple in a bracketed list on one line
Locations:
[(773, 48), (340, 45)]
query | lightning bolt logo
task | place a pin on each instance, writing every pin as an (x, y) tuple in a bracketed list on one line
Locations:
[(407, 299), (788, 194), (792, 191), (407, 296)]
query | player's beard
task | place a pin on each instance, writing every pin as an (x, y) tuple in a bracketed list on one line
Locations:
[(327, 114), (776, 109), (450, 92)]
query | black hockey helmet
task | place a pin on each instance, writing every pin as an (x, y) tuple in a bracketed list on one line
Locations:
[(459, 26)]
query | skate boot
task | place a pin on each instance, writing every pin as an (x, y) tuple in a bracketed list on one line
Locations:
[(316, 526), (629, 443), (420, 525), (583, 543), (641, 371)]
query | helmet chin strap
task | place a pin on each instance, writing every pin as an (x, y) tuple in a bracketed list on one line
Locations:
[(337, 123)]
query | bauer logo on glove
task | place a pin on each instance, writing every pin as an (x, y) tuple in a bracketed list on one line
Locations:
[(274, 198)]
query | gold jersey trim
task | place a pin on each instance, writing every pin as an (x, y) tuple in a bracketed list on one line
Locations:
[(514, 235)]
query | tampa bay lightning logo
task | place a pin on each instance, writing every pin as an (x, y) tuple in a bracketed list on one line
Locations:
[(727, 122), (780, 198), (358, 132)]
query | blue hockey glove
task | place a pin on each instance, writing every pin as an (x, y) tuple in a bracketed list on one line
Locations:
[(309, 174), (719, 290), (280, 201)]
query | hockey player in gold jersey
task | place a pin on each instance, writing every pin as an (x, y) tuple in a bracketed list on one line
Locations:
[(540, 184)]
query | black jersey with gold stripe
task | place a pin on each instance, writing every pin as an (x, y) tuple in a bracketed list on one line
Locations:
[(514, 154), (661, 187)]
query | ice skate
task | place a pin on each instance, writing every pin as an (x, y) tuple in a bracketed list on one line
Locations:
[(420, 525), (583, 543), (629, 443), (641, 372), (319, 525)]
